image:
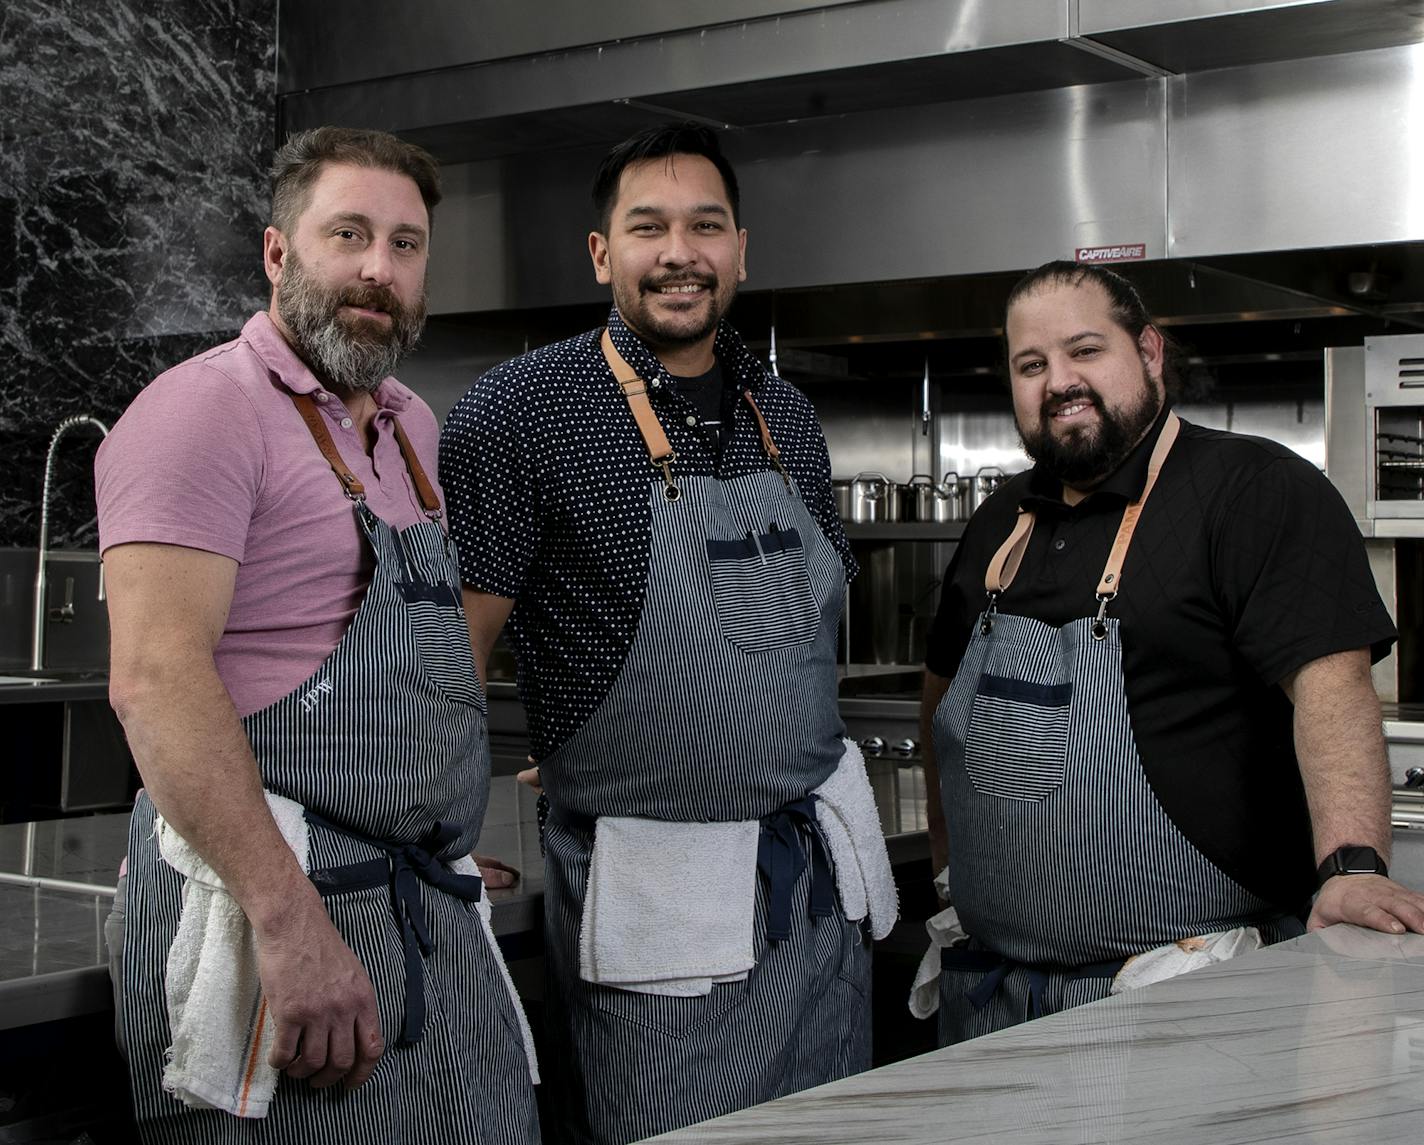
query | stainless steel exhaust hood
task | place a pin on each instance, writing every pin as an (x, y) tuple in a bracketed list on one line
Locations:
[(941, 137)]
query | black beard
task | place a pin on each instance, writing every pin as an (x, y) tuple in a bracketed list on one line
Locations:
[(654, 332), (357, 354), (1085, 457)]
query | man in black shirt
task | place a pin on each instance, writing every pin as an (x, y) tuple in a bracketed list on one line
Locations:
[(1152, 718)]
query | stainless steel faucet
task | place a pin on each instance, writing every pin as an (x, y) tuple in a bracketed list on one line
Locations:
[(37, 629)]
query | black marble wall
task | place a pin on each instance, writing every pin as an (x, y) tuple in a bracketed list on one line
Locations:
[(134, 141)]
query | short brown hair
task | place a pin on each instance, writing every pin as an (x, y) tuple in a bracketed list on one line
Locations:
[(299, 161)]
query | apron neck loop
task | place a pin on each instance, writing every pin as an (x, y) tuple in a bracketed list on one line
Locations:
[(350, 485), (1005, 563), (772, 450), (1110, 583), (660, 451), (306, 406), (429, 502)]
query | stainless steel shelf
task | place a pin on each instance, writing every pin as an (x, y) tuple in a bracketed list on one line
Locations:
[(905, 531)]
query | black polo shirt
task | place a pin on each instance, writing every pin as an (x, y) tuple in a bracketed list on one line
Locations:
[(1246, 565)]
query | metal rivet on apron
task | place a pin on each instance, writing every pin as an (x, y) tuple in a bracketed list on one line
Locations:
[(1060, 544), (346, 423), (692, 419), (323, 397)]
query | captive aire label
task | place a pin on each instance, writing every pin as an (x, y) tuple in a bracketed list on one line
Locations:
[(1127, 252)]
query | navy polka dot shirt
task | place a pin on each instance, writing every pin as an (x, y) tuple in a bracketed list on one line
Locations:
[(547, 483)]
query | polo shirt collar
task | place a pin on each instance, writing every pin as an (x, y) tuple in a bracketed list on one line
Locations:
[(738, 363), (294, 375), (1123, 485)]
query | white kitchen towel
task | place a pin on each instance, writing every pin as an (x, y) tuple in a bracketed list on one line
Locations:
[(850, 823), (1163, 962), (222, 1030), (944, 930), (466, 866), (669, 907)]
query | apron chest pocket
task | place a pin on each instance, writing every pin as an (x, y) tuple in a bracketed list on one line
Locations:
[(762, 590), (1017, 739)]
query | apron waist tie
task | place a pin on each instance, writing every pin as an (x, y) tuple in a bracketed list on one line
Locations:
[(781, 859), (406, 866), (996, 968)]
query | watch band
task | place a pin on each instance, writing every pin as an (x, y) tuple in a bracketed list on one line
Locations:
[(1351, 859)]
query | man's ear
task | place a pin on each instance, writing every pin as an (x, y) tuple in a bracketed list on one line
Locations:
[(598, 252), (274, 254), (1153, 349)]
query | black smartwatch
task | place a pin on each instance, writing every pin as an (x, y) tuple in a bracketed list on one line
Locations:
[(1351, 859)]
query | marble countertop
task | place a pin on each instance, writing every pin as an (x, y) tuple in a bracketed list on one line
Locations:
[(1320, 1039)]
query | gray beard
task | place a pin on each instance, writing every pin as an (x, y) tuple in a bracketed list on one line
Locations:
[(357, 356)]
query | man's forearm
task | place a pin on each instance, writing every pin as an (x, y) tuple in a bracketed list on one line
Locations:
[(1339, 742), (932, 693), (199, 771)]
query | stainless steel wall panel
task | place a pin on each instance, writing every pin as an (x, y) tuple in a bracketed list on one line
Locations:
[(1309, 153), (322, 44), (1114, 15), (948, 189), (834, 60), (1198, 35), (960, 188)]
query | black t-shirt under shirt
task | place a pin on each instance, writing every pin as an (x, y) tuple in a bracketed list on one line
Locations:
[(707, 395), (1245, 565)]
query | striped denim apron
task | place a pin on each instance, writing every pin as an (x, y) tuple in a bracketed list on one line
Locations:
[(1062, 863), (725, 709), (385, 746)]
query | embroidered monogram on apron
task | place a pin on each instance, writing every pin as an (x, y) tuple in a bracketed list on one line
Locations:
[(385, 746), (1061, 861), (734, 651)]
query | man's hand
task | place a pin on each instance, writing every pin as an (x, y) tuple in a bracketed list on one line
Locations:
[(495, 873), (1371, 901), (322, 1001), (530, 778)]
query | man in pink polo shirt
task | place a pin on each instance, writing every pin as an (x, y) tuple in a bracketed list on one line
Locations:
[(292, 668)]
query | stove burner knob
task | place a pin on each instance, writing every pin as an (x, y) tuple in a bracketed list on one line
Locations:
[(872, 745), (904, 748)]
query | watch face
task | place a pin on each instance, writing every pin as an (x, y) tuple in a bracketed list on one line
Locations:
[(1358, 861)]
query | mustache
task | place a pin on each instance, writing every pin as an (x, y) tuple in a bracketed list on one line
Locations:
[(652, 283), (372, 298), (1055, 402)]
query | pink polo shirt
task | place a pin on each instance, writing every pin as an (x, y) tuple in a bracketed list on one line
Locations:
[(213, 455)]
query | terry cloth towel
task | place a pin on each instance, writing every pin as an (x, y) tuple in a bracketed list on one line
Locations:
[(465, 865), (670, 907), (850, 823), (1179, 957), (944, 930), (222, 1032)]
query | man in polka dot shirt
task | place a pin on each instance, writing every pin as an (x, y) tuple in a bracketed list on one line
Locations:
[(672, 568)]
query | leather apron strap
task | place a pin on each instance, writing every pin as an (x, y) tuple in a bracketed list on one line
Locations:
[(660, 451), (1005, 563), (354, 489)]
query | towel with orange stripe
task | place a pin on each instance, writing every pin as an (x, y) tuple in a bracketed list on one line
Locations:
[(222, 1030)]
